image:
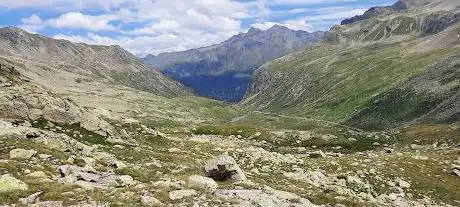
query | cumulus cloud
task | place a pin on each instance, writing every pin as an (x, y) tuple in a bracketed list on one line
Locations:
[(71, 20)]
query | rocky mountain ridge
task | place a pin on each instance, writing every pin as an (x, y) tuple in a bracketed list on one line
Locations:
[(108, 63)]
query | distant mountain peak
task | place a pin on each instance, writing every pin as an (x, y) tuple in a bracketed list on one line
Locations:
[(254, 30), (278, 27)]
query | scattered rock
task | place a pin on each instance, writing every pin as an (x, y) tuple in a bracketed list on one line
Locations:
[(202, 183), (22, 154), (180, 194), (11, 184), (224, 167)]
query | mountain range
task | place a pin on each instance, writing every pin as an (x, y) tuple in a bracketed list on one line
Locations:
[(223, 71)]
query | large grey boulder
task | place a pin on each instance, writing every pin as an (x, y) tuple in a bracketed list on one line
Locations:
[(11, 184), (224, 167)]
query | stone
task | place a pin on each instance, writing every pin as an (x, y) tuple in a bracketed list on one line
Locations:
[(416, 147), (44, 156), (180, 194), (352, 139), (317, 154), (89, 185), (34, 198), (150, 201), (456, 172), (92, 122), (224, 167), (22, 154), (126, 180), (173, 150), (11, 184), (61, 111), (37, 174), (202, 183), (389, 150), (403, 184)]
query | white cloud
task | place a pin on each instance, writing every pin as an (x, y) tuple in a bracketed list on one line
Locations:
[(71, 20), (77, 20), (150, 44)]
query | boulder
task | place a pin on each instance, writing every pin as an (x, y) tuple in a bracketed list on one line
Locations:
[(202, 183), (403, 184), (125, 180), (317, 154), (224, 167), (37, 174), (95, 124), (11, 184), (22, 154), (180, 194), (150, 201), (456, 172), (64, 113), (34, 198)]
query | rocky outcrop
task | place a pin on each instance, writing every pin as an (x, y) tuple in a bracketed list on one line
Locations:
[(89, 179), (109, 63)]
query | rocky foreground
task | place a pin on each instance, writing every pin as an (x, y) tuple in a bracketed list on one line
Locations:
[(54, 169)]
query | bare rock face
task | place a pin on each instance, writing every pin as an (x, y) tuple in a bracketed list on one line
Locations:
[(224, 167)]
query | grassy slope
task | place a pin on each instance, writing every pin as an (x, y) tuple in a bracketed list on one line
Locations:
[(338, 80)]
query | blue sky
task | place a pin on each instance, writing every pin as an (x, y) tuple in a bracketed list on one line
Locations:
[(154, 26)]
